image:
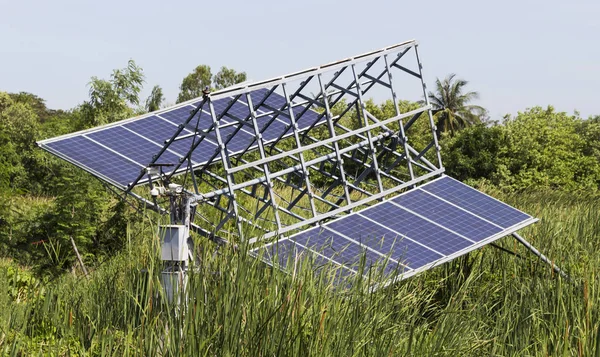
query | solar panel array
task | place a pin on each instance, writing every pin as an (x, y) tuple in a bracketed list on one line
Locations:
[(118, 152), (413, 232)]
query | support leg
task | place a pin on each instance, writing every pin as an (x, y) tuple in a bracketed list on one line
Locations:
[(540, 255)]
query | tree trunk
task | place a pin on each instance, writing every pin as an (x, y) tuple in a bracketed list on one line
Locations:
[(78, 256)]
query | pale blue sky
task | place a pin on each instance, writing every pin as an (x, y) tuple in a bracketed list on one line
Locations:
[(517, 54)]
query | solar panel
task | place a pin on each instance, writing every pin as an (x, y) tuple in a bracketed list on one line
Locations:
[(119, 151), (487, 207), (314, 177), (414, 231)]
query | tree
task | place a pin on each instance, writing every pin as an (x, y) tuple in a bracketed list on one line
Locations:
[(452, 105), (474, 153), (194, 83), (112, 100), (18, 129), (538, 148), (36, 103), (227, 77), (12, 171), (155, 99), (590, 131)]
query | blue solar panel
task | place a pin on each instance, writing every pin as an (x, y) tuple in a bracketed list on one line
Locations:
[(159, 130), (131, 145), (140, 139), (282, 251), (286, 254), (474, 201), (371, 234), (416, 230), (340, 249), (273, 130), (308, 117), (96, 158), (447, 215), (178, 115)]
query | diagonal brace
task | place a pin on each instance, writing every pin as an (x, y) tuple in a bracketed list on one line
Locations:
[(540, 255)]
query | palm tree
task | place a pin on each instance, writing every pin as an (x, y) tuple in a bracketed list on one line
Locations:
[(450, 104)]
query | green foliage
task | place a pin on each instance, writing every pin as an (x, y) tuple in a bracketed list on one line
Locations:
[(43, 200), (18, 129), (22, 285), (112, 100), (36, 103), (589, 130), (452, 105), (474, 152), (155, 99), (482, 304), (486, 303), (539, 148), (194, 83), (227, 77), (202, 78)]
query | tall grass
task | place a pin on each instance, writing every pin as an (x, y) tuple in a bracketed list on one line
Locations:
[(486, 303)]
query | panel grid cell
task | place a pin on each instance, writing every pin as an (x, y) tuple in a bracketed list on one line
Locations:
[(416, 228), (447, 215), (288, 255), (340, 249), (474, 201), (131, 145), (384, 240), (97, 158)]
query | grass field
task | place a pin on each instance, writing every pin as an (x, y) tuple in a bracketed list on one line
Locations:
[(488, 303)]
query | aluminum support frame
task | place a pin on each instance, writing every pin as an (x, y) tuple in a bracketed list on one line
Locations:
[(322, 144), (542, 257)]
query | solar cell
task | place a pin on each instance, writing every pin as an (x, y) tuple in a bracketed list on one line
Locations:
[(284, 251), (131, 145), (97, 159), (447, 215), (275, 101), (287, 254), (474, 201), (159, 130), (273, 130), (178, 115), (416, 230), (384, 240), (340, 249), (136, 141)]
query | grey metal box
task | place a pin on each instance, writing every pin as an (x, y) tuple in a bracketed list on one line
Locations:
[(174, 242)]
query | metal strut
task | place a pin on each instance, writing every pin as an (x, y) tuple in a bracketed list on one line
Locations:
[(540, 255)]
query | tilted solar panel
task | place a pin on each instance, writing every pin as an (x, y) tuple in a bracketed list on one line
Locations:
[(417, 230), (118, 152)]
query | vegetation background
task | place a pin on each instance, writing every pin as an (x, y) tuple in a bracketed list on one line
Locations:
[(544, 162)]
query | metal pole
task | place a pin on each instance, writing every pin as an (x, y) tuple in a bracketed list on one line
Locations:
[(403, 136), (540, 255), (263, 156), (429, 112), (226, 165), (363, 109), (305, 173)]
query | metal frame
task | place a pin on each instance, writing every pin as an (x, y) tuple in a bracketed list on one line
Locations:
[(332, 157), (346, 161)]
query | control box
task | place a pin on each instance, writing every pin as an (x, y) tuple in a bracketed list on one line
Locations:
[(174, 242)]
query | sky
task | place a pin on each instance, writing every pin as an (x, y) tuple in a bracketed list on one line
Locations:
[(516, 54)]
